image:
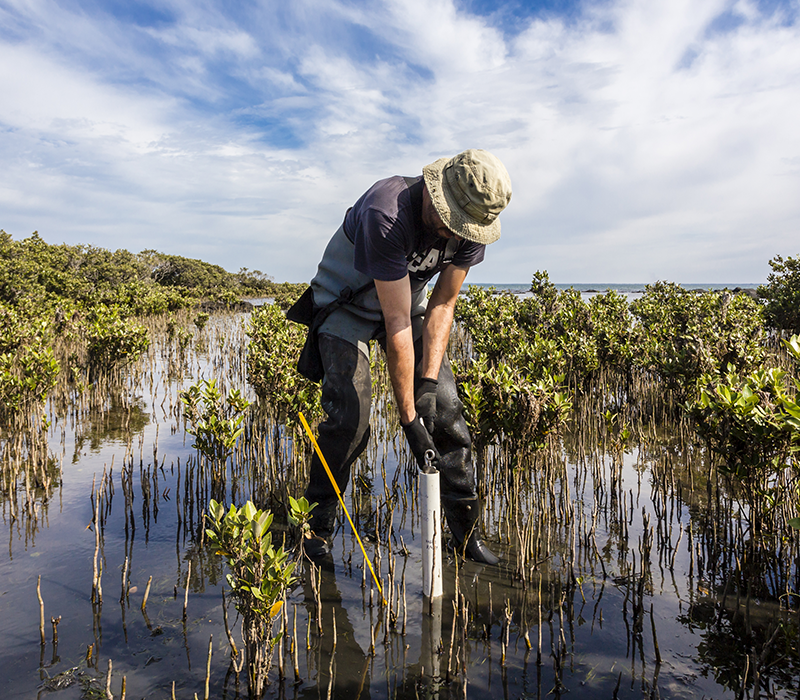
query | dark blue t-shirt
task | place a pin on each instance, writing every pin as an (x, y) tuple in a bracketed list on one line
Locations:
[(385, 227)]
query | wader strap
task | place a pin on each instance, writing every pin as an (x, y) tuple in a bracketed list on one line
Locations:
[(304, 311)]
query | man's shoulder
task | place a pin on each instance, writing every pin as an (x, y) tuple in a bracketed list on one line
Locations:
[(389, 196)]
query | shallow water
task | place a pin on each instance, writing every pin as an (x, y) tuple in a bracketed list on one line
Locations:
[(596, 595)]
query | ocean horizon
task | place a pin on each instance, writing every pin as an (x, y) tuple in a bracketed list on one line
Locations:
[(601, 287)]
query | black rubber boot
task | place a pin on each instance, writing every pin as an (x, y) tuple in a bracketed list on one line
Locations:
[(323, 520), (463, 516)]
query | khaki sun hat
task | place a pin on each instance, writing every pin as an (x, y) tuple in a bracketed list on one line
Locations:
[(469, 191)]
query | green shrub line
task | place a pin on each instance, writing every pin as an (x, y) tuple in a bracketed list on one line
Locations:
[(781, 294), (77, 310), (707, 358), (35, 274), (521, 362)]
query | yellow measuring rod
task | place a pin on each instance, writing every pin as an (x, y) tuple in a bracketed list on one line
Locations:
[(341, 500)]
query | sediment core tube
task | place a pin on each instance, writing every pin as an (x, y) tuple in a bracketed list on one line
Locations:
[(431, 512)]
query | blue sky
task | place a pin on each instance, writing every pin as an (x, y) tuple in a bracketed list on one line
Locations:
[(647, 139)]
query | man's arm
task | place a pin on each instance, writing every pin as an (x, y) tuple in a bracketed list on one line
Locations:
[(439, 318), (395, 299)]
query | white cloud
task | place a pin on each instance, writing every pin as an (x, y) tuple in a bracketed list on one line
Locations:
[(208, 41), (437, 35), (42, 95), (642, 144)]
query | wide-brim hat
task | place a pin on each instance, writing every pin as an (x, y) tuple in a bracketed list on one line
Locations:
[(469, 191)]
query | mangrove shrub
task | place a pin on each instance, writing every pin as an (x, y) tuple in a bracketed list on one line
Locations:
[(681, 335), (272, 353), (781, 294), (752, 423)]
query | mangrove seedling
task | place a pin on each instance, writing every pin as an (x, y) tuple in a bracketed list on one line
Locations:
[(215, 424), (300, 515), (260, 574)]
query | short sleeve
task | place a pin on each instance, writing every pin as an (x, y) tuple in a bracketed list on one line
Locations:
[(379, 249), (469, 254)]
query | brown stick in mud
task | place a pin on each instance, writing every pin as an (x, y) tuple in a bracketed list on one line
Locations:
[(208, 667), (54, 621), (109, 696), (655, 638), (295, 653), (146, 594), (186, 592), (41, 609), (234, 650)]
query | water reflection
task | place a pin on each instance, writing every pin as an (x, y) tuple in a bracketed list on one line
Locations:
[(116, 421), (336, 662), (630, 568)]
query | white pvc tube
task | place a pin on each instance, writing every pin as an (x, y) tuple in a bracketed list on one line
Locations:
[(431, 512), (429, 656)]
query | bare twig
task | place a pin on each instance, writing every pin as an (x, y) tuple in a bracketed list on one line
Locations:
[(41, 609), (146, 594)]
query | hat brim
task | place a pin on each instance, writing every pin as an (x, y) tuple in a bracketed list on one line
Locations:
[(455, 218)]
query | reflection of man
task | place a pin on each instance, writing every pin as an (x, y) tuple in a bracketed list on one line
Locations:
[(354, 681), (400, 234)]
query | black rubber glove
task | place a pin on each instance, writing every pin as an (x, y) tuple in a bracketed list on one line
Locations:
[(420, 441), (425, 401)]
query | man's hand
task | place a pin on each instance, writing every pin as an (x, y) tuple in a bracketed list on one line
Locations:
[(420, 441), (425, 401)]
